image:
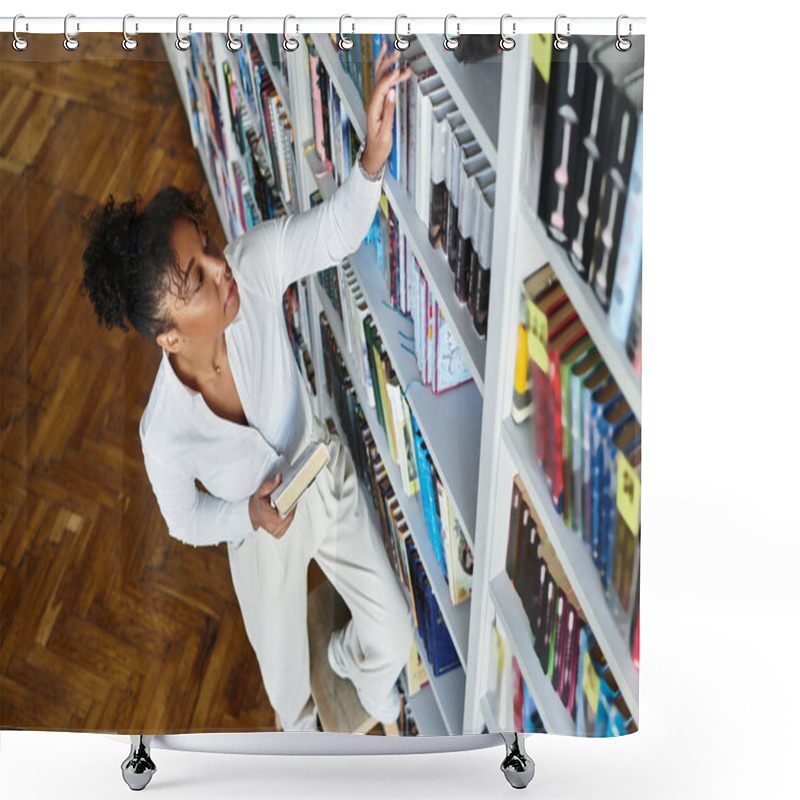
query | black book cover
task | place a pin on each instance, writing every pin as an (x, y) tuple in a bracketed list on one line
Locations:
[(548, 623), (461, 145), (540, 606), (592, 159), (572, 665), (513, 532), (558, 640), (568, 70), (478, 295), (626, 102), (467, 218), (478, 298), (526, 561)]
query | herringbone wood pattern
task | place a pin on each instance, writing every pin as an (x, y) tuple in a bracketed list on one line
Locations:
[(107, 623)]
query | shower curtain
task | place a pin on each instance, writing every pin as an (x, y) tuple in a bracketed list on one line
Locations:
[(472, 365)]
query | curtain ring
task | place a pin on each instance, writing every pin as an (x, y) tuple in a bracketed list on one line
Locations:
[(70, 42), (290, 44), (234, 43), (182, 42), (344, 42), (128, 42), (559, 42), (400, 42), (506, 42), (19, 43), (451, 42), (623, 45)]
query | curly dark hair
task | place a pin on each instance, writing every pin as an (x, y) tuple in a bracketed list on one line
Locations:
[(129, 264)]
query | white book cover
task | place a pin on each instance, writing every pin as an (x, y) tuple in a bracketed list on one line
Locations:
[(299, 476), (418, 67), (428, 92)]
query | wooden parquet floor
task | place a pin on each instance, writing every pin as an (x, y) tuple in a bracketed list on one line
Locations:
[(107, 623)]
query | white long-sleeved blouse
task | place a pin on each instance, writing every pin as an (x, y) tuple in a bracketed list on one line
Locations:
[(183, 440)]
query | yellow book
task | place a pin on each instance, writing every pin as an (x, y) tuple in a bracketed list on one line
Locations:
[(417, 676)]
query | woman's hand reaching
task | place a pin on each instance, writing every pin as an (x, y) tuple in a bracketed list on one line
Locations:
[(380, 110), (262, 513)]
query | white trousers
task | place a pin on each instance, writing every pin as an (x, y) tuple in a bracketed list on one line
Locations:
[(269, 575)]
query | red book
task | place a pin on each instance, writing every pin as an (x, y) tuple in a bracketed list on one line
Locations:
[(559, 312), (557, 347)]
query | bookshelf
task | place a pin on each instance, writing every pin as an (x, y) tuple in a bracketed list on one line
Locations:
[(476, 447), (432, 262)]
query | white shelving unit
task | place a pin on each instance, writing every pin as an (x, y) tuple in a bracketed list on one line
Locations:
[(475, 446)]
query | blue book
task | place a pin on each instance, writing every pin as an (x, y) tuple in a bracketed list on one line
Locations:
[(445, 657), (602, 399), (615, 418), (605, 703), (629, 258), (427, 489), (617, 722)]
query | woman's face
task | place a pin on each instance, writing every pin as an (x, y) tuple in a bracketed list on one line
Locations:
[(209, 299)]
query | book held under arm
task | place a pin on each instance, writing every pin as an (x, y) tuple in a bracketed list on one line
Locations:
[(299, 477)]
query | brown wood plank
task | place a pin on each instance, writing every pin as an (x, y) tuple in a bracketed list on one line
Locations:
[(106, 622)]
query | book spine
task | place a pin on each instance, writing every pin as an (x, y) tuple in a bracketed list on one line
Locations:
[(613, 189), (561, 138)]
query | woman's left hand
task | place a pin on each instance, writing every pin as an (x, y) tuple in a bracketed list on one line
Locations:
[(380, 110)]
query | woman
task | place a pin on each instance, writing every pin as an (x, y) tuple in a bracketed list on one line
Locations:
[(229, 408)]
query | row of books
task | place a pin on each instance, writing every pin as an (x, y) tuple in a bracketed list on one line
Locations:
[(585, 436), (435, 158), (402, 553), (601, 710), (563, 641), (547, 597), (584, 165), (439, 359), (276, 129), (515, 707), (297, 337), (241, 172), (407, 446)]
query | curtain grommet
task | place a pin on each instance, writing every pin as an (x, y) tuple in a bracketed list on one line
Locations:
[(70, 42), (622, 44), (290, 44), (128, 42), (560, 42), (451, 42), (234, 43), (506, 42), (182, 42)]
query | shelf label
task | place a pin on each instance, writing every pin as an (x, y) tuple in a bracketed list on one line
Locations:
[(629, 493), (591, 683), (541, 47), (537, 337)]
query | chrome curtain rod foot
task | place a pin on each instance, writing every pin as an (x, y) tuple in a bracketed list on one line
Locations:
[(517, 766), (138, 768)]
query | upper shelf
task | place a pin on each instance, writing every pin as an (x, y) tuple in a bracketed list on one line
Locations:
[(432, 262), (475, 86), (450, 421), (578, 566), (533, 238), (456, 617)]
